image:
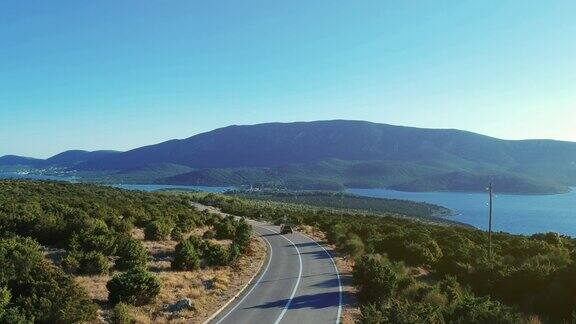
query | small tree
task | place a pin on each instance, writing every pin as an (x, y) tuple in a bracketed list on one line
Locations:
[(71, 263), (176, 234), (215, 254), (136, 287), (353, 245), (242, 235), (186, 257), (121, 314), (94, 263), (157, 231), (131, 254), (375, 278), (225, 229)]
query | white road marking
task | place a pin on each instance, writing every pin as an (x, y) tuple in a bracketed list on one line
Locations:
[(337, 276), (297, 281), (255, 284)]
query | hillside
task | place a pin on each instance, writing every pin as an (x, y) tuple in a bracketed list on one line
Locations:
[(337, 154), (74, 157), (67, 159)]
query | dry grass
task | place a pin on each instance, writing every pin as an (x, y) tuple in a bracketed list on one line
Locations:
[(208, 288)]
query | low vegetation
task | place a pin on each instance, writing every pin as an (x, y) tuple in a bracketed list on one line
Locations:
[(92, 229), (414, 272), (344, 201)]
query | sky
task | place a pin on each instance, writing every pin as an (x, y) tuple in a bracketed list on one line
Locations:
[(108, 74)]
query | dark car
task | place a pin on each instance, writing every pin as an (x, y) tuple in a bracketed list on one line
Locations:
[(286, 229)]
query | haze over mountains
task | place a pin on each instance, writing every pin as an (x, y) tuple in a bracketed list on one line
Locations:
[(333, 155)]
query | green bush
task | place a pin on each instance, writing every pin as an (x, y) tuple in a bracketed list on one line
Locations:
[(186, 257), (5, 297), (242, 235), (176, 234), (215, 254), (225, 229), (131, 254), (209, 234), (121, 314), (375, 279), (94, 263), (39, 292), (71, 263), (481, 310), (157, 230), (136, 287), (234, 253), (353, 245)]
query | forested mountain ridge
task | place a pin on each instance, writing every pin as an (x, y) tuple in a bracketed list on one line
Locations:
[(340, 153)]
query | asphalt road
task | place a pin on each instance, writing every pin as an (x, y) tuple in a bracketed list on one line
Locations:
[(299, 283)]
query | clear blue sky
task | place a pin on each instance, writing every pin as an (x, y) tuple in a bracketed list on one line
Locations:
[(111, 74)]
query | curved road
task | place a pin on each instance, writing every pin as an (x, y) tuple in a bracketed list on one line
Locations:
[(299, 283)]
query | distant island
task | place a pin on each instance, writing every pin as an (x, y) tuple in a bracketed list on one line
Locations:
[(328, 155)]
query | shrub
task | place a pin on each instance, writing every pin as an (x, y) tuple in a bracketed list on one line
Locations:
[(136, 287), (209, 234), (157, 230), (176, 234), (375, 278), (353, 245), (5, 297), (186, 257), (33, 282), (131, 254), (233, 253), (215, 254), (423, 253), (242, 235), (121, 314), (94, 263), (481, 310), (71, 263), (225, 229), (397, 311)]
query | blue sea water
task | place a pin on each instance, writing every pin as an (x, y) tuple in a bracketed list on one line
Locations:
[(517, 214)]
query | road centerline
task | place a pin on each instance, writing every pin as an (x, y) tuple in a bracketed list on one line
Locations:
[(255, 284), (287, 306)]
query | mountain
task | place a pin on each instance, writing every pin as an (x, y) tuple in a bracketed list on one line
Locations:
[(68, 159), (357, 153), (338, 154), (15, 160), (74, 157)]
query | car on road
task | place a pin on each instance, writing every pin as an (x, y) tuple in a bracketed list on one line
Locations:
[(286, 229)]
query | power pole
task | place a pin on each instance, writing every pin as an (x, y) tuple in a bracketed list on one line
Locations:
[(490, 193)]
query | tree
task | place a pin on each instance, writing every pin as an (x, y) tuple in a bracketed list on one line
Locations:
[(136, 287), (157, 230), (242, 235), (94, 263), (215, 254), (131, 254), (186, 257), (225, 229), (375, 278)]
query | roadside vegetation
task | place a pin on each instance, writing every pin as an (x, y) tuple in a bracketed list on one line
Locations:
[(414, 272), (349, 202), (80, 253)]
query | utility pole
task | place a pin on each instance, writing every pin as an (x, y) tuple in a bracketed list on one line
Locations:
[(490, 193)]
